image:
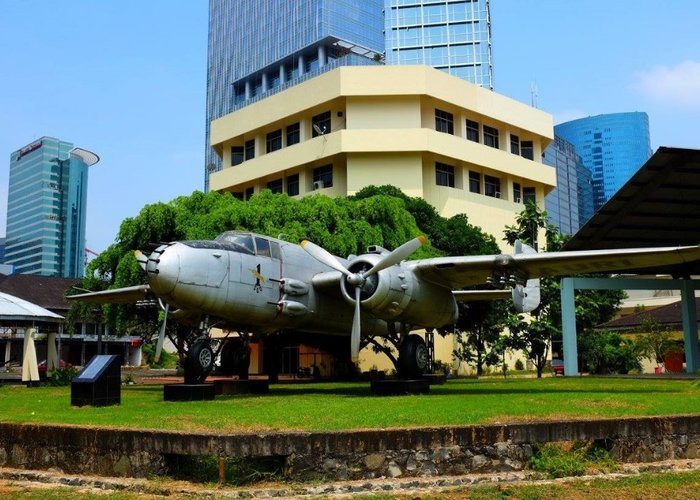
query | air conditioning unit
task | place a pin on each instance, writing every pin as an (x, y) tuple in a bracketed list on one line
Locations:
[(318, 185)]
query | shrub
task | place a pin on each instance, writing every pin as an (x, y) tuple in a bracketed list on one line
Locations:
[(167, 359), (519, 366), (558, 461), (61, 376)]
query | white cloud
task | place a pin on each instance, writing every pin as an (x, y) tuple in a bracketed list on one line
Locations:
[(677, 85)]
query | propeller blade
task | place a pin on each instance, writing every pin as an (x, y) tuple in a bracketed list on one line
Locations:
[(324, 256), (161, 335), (356, 324), (397, 255), (141, 259)]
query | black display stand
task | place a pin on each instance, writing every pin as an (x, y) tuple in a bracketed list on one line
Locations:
[(249, 386), (397, 387), (435, 378), (188, 392), (99, 383)]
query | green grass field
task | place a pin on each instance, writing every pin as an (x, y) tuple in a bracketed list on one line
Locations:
[(331, 406)]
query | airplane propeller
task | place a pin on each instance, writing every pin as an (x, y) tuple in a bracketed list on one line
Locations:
[(358, 279), (161, 334)]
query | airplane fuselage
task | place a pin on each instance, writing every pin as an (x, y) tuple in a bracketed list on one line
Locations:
[(251, 283)]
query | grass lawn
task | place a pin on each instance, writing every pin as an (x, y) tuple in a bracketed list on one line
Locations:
[(330, 406)]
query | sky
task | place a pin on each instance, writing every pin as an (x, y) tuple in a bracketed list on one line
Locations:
[(127, 80)]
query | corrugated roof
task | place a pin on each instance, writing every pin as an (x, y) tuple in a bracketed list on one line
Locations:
[(658, 206), (667, 316), (16, 309)]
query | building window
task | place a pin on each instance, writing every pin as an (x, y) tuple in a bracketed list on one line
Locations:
[(293, 134), (293, 185), (321, 124), (444, 175), (514, 144), (274, 141), (249, 192), (527, 150), (237, 155), (250, 149), (323, 177), (491, 136), (275, 186), (529, 195), (444, 122), (492, 186), (472, 131), (517, 193), (474, 182), (238, 195)]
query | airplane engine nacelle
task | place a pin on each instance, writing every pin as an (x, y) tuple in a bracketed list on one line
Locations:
[(395, 294)]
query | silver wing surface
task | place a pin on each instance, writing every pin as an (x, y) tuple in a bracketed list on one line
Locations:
[(126, 295), (460, 272)]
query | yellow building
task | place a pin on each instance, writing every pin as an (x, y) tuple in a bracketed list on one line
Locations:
[(462, 148)]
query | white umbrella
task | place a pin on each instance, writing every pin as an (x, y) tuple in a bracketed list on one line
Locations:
[(51, 354), (30, 370)]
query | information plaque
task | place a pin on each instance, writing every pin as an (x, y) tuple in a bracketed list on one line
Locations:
[(99, 383)]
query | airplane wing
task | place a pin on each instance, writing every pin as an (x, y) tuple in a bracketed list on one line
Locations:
[(474, 295), (126, 295), (460, 272)]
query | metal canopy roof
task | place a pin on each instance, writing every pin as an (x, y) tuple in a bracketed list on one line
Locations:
[(658, 206), (15, 309)]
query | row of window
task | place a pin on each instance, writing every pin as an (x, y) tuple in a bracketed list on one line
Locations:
[(444, 122), (445, 176), (320, 124), (322, 178)]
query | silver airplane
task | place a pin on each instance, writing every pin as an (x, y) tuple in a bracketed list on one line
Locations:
[(254, 284)]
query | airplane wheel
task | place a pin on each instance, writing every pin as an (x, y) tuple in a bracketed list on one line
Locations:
[(413, 357), (200, 360), (235, 359)]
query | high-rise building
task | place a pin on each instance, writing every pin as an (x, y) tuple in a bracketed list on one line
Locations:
[(259, 47), (46, 208), (453, 36), (612, 146), (562, 203)]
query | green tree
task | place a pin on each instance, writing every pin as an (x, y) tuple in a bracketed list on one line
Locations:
[(535, 334), (608, 352)]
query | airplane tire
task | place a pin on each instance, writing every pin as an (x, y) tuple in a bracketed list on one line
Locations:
[(200, 360), (235, 359), (413, 357)]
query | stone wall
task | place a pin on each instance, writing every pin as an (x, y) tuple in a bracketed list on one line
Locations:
[(348, 454)]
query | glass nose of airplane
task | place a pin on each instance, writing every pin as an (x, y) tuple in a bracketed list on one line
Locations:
[(163, 268)]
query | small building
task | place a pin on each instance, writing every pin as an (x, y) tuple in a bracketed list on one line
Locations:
[(74, 348)]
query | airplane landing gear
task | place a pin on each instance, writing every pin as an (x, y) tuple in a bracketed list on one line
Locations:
[(413, 357), (199, 362)]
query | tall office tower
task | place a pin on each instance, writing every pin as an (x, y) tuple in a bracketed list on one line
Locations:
[(454, 36), (259, 47), (585, 194), (612, 146), (562, 203), (46, 208)]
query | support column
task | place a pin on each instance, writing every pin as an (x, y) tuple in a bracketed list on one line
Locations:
[(247, 90), (690, 326), (301, 65), (52, 362), (264, 82), (568, 321), (8, 352), (283, 74)]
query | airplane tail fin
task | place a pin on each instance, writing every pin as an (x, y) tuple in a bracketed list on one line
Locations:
[(526, 297)]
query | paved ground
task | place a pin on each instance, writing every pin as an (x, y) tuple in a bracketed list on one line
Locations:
[(37, 480)]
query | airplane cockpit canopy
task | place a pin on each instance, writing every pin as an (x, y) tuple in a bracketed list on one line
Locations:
[(234, 241)]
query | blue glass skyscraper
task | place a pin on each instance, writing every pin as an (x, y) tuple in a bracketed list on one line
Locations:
[(612, 146), (46, 208), (454, 36), (259, 47), (562, 203)]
